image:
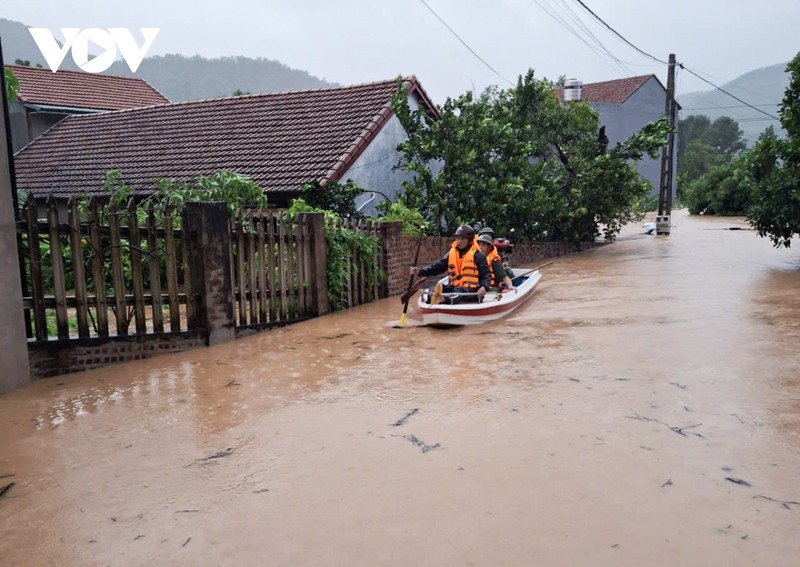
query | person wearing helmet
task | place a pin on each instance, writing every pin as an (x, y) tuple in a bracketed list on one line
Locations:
[(464, 263), (486, 230), (500, 278)]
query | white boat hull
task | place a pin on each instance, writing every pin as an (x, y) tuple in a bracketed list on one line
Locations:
[(494, 306)]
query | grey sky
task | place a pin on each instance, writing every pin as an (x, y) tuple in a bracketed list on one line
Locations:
[(356, 41)]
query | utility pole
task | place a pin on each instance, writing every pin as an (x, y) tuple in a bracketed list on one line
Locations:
[(663, 219)]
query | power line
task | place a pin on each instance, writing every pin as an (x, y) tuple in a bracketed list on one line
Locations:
[(619, 35), (682, 66), (567, 27), (733, 106), (553, 13), (465, 44)]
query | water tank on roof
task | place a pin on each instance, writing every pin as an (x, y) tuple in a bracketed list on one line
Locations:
[(573, 90)]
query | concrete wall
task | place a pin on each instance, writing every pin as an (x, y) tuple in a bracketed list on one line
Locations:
[(374, 167), (623, 120), (19, 126), (14, 370), (27, 125)]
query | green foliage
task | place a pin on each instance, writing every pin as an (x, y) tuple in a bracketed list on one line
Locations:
[(413, 221), (704, 145), (699, 159), (343, 246), (339, 198), (12, 85), (724, 191), (237, 190), (519, 158), (775, 212)]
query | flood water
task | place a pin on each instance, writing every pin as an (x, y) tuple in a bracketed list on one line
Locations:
[(642, 408)]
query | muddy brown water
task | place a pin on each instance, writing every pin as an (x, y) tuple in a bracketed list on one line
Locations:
[(642, 408)]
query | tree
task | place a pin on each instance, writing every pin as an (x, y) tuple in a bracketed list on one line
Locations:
[(704, 145), (775, 212), (725, 190), (691, 129), (725, 136), (12, 85), (519, 158)]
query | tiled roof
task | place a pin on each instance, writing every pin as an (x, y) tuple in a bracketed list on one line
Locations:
[(76, 89), (280, 140), (615, 92)]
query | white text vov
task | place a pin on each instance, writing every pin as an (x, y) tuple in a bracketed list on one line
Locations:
[(77, 41)]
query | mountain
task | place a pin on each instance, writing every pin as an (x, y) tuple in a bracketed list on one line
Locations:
[(190, 78), (176, 76), (762, 88)]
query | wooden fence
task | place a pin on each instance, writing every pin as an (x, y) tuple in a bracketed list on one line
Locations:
[(270, 262), (96, 270), (363, 276), (101, 270)]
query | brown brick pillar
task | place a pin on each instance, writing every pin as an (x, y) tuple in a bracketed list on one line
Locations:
[(209, 285)]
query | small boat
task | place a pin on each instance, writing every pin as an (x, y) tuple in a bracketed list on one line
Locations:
[(438, 312)]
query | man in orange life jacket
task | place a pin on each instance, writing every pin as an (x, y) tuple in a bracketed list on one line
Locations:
[(500, 278), (465, 265)]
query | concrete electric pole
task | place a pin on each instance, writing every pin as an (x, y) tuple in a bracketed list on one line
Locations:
[(663, 219)]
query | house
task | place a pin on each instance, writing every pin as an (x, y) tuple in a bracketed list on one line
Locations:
[(45, 98), (279, 140), (625, 106)]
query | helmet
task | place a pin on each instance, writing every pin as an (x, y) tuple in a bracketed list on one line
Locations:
[(486, 230), (485, 238), (465, 231)]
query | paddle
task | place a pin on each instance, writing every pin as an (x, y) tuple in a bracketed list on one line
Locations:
[(526, 272), (411, 281), (419, 284)]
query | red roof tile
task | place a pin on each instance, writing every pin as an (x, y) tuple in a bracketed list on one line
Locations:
[(280, 140), (616, 91), (76, 89)]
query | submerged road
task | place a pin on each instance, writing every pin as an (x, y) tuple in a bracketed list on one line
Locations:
[(642, 408)]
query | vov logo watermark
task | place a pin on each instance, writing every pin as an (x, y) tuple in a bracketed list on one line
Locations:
[(77, 41)]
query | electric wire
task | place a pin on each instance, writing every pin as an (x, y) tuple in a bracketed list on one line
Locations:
[(680, 65), (465, 43), (619, 35), (685, 68), (560, 21)]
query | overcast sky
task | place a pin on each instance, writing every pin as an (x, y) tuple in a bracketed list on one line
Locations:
[(356, 41)]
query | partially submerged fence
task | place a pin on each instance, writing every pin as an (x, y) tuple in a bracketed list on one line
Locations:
[(147, 280), (101, 271)]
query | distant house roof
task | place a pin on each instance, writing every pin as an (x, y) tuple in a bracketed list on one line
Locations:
[(614, 92), (76, 90), (279, 140)]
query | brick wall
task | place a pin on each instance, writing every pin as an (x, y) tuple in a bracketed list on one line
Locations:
[(52, 358)]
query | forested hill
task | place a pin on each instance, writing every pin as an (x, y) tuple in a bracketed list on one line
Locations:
[(762, 88), (176, 76), (190, 78)]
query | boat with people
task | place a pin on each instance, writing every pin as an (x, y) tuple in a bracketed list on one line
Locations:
[(442, 309)]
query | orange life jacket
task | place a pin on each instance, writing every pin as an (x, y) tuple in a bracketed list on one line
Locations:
[(491, 256), (462, 269)]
